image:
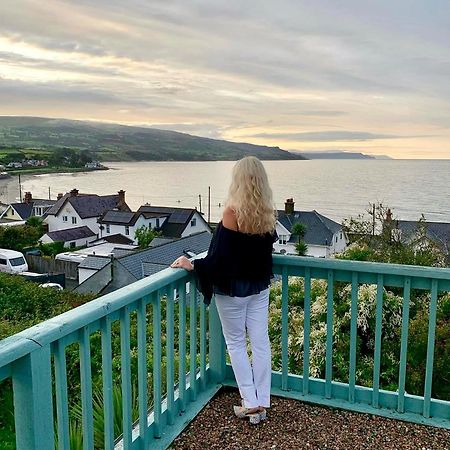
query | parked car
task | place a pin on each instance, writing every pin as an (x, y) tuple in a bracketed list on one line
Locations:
[(12, 261)]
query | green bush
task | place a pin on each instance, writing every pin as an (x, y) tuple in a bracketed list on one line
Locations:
[(417, 352)]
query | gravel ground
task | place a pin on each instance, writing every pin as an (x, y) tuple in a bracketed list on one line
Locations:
[(292, 424)]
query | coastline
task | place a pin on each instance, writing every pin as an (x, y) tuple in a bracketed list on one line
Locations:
[(55, 170)]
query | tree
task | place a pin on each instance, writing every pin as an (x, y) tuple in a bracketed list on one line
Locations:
[(145, 235), (299, 230), (379, 238)]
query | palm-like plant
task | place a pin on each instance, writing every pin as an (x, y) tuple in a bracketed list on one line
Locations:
[(299, 230)]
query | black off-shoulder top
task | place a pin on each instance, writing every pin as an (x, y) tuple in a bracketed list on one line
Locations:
[(237, 263)]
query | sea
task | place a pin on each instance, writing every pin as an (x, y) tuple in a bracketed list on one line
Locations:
[(336, 188)]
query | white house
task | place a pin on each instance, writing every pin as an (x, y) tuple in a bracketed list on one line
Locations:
[(172, 222), (28, 208), (74, 210), (323, 236), (72, 237)]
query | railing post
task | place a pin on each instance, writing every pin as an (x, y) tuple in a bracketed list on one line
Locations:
[(217, 362), (33, 408)]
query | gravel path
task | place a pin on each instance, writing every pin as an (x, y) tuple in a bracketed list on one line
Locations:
[(296, 425)]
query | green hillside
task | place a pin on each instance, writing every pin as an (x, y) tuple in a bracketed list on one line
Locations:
[(110, 142)]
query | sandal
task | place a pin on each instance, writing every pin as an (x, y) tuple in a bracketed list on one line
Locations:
[(252, 414)]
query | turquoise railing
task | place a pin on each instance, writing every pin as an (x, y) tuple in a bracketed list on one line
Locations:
[(188, 357)]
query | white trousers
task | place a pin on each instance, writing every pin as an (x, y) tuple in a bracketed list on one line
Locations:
[(238, 315)]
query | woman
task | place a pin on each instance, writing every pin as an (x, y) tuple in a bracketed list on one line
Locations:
[(238, 269)]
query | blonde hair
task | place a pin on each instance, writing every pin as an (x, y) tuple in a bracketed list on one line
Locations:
[(250, 197)]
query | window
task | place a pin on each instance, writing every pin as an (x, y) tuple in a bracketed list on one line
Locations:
[(65, 218), (3, 262), (336, 238), (340, 236), (127, 230), (282, 239), (108, 228), (17, 261), (157, 223), (72, 245), (74, 220), (193, 222), (38, 211)]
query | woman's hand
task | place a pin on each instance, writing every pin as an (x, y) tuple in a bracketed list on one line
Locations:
[(182, 263)]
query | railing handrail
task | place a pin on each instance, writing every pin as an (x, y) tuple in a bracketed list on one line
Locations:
[(440, 273), (62, 325), (24, 342)]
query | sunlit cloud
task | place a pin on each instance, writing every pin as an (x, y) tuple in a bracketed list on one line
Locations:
[(296, 74)]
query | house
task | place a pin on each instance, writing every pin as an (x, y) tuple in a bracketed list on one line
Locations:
[(74, 210), (104, 274), (28, 208), (14, 165), (72, 237), (436, 232), (323, 236), (172, 222)]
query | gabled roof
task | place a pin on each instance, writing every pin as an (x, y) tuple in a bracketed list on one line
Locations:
[(163, 255), (88, 205), (71, 234), (177, 218), (319, 229), (24, 210), (436, 231)]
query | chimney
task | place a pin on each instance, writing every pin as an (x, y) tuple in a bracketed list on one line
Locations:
[(289, 206), (60, 195), (121, 197), (28, 198), (389, 215), (74, 192)]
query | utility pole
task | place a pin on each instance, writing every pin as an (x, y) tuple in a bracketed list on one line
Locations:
[(200, 202), (20, 190), (209, 205), (373, 220)]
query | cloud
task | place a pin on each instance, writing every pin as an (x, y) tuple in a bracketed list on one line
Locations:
[(326, 136), (235, 69)]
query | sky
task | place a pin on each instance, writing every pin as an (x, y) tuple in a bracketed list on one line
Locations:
[(371, 76)]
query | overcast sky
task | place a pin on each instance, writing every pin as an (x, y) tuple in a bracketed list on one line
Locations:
[(371, 76)]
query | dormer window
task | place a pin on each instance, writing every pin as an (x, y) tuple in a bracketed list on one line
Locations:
[(65, 218), (282, 239), (108, 228), (193, 222)]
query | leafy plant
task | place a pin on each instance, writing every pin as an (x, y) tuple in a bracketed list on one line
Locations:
[(145, 235)]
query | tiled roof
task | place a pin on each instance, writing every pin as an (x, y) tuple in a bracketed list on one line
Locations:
[(23, 209), (116, 239), (436, 231), (43, 202), (94, 262), (71, 234), (118, 217), (176, 215), (165, 254), (88, 205), (319, 229)]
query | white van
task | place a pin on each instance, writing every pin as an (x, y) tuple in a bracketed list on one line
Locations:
[(12, 261)]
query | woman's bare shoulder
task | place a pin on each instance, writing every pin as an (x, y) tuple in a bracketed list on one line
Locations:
[(229, 219)]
